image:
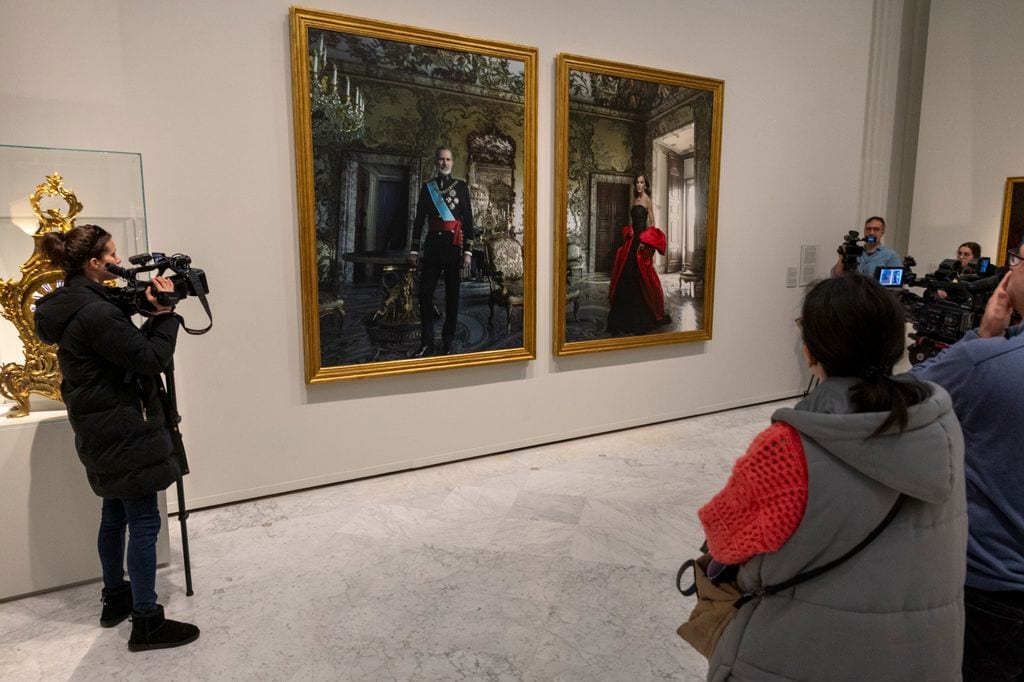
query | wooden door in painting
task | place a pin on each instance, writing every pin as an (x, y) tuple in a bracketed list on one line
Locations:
[(382, 209), (612, 214)]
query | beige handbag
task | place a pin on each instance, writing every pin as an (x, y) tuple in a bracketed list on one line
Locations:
[(718, 601), (716, 606)]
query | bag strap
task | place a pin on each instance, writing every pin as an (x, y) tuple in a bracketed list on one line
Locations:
[(689, 563), (815, 572)]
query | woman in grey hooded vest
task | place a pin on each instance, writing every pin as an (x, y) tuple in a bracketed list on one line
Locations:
[(817, 483)]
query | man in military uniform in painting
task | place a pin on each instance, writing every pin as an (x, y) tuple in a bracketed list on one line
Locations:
[(444, 209)]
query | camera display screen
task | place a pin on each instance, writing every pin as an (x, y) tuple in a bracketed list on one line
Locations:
[(889, 277), (984, 264)]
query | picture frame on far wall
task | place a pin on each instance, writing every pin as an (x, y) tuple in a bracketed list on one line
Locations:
[(415, 162), (1012, 230), (617, 286)]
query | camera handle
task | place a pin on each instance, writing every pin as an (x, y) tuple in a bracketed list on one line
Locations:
[(193, 280), (173, 419)]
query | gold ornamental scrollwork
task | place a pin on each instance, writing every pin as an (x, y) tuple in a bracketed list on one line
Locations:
[(40, 374)]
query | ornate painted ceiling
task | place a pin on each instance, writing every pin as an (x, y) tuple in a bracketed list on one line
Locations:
[(466, 72)]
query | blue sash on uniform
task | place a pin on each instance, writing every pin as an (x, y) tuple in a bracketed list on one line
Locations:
[(439, 203)]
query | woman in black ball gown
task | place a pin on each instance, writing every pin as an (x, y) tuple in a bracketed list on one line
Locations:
[(636, 297)]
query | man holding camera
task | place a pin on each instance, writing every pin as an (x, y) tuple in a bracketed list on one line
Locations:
[(983, 373), (875, 254), (444, 207)]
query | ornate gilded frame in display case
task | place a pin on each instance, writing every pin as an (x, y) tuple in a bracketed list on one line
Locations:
[(43, 190), (1012, 230), (616, 122), (373, 101)]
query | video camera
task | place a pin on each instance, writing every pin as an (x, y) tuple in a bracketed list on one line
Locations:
[(851, 249), (941, 319), (187, 281)]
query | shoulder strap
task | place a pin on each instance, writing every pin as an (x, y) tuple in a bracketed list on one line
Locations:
[(815, 572), (197, 286)]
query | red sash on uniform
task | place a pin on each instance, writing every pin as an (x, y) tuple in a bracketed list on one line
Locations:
[(453, 226)]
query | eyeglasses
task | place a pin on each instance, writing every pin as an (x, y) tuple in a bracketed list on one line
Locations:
[(1013, 258)]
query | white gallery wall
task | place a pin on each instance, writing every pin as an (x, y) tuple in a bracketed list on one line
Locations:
[(202, 90), (972, 126)]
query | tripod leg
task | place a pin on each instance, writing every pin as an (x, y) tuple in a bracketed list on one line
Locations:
[(183, 520)]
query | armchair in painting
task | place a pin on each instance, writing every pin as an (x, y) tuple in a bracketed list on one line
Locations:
[(329, 302), (573, 275), (574, 262), (688, 278), (503, 265), (692, 274)]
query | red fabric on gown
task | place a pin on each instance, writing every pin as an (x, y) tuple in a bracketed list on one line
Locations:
[(654, 297)]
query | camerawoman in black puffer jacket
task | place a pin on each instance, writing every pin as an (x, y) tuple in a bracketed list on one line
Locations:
[(112, 387), (110, 371)]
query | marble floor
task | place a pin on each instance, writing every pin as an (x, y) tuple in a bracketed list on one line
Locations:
[(550, 563)]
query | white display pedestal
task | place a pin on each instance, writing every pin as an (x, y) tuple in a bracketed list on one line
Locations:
[(49, 513)]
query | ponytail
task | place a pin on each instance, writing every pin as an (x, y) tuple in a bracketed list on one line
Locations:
[(884, 392)]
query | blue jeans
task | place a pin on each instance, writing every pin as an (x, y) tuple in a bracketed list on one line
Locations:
[(141, 516), (994, 637)]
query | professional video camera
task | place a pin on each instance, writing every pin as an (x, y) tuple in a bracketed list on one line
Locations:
[(851, 249), (187, 281), (952, 303)]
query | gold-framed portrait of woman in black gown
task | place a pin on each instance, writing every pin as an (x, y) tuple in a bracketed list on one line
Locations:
[(636, 189)]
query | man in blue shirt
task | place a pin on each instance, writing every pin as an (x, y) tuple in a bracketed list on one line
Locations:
[(983, 373), (875, 255)]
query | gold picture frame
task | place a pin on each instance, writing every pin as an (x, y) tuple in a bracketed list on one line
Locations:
[(1012, 230), (374, 103), (615, 122)]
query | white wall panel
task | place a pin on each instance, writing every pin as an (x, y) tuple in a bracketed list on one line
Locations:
[(971, 135)]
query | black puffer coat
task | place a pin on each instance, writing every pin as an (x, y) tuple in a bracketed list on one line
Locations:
[(111, 386)]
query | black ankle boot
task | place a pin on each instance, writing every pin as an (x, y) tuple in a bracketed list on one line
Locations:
[(153, 631), (117, 605)]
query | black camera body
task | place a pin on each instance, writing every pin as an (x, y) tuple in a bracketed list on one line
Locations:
[(188, 281), (943, 320), (940, 321), (852, 248)]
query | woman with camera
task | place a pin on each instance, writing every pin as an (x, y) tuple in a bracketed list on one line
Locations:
[(968, 258), (847, 517), (967, 253), (112, 388)]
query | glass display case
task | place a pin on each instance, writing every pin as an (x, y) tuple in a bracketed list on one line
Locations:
[(107, 184), (37, 452)]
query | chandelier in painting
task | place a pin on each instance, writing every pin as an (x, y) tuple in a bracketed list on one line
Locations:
[(340, 117)]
